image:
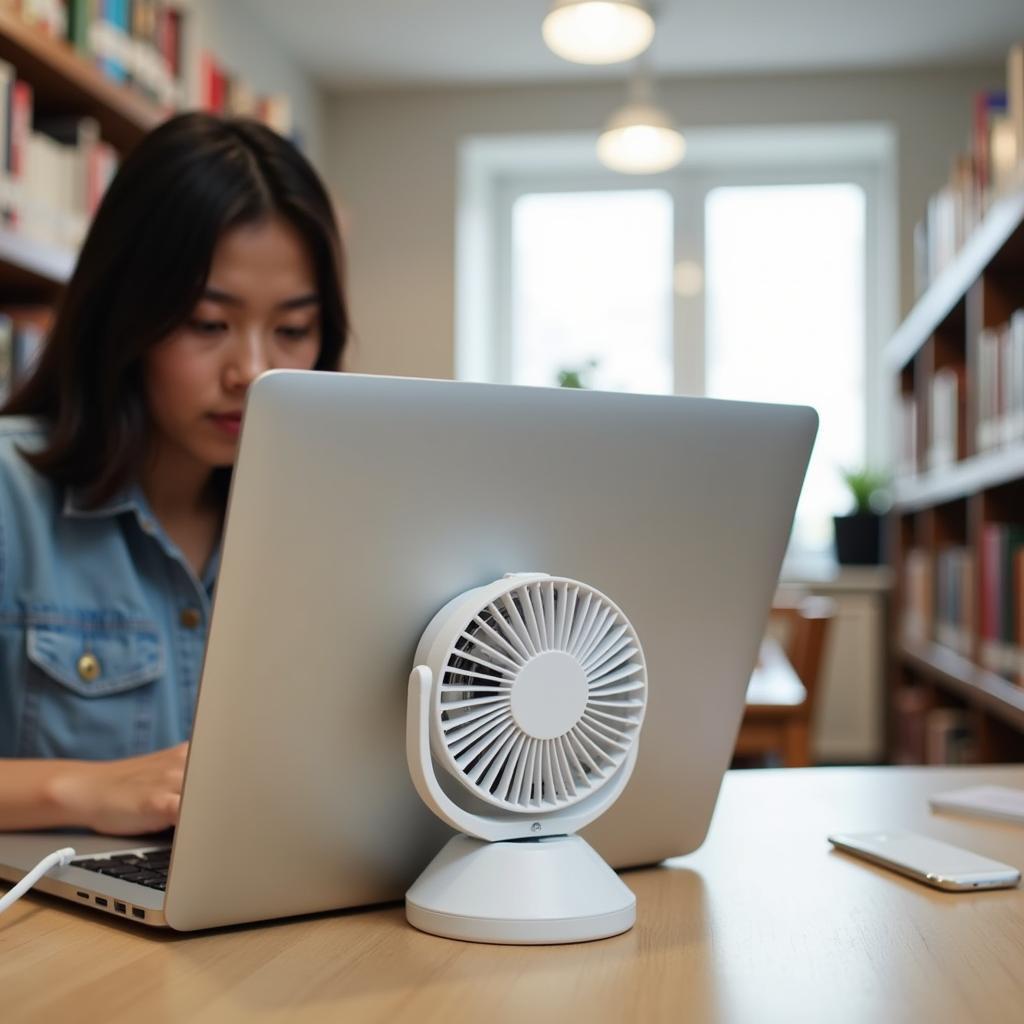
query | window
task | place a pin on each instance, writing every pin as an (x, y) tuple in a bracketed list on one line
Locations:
[(591, 289), (763, 268), (784, 271)]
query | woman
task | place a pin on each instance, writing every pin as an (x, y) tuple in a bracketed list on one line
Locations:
[(213, 257)]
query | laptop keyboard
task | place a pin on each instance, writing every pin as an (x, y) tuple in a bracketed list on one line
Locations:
[(148, 868)]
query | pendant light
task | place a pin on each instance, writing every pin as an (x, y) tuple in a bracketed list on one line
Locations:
[(598, 31), (640, 137)]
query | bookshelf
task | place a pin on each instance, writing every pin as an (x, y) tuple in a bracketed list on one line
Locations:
[(957, 640), (63, 80), (80, 84)]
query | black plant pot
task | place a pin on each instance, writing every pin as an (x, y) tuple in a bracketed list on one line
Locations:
[(859, 539)]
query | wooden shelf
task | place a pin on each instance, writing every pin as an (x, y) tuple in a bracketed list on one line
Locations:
[(950, 287), (963, 478), (65, 81), (979, 687)]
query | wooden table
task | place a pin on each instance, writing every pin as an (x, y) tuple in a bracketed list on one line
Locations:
[(764, 923)]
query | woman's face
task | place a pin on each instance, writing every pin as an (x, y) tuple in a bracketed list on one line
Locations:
[(260, 311)]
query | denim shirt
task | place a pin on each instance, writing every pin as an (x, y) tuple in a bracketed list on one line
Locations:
[(102, 621)]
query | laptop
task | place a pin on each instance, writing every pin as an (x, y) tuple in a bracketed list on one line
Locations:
[(359, 506)]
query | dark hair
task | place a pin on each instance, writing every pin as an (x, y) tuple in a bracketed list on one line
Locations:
[(143, 268)]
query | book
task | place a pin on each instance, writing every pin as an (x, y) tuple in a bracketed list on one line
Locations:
[(989, 109), (999, 802), (945, 418), (27, 327), (907, 423), (993, 167), (999, 384), (954, 599), (911, 705), (6, 357), (917, 618), (1002, 598), (1015, 97), (19, 121), (947, 736)]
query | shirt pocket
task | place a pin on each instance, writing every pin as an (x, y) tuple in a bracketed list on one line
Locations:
[(90, 686)]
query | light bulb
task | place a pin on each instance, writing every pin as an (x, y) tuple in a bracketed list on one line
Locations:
[(598, 31), (640, 139)]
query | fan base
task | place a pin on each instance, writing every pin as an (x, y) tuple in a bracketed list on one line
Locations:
[(520, 892)]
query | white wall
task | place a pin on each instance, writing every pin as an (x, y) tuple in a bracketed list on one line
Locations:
[(392, 160), (244, 46)]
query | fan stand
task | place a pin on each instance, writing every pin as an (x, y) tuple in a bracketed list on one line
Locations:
[(520, 892)]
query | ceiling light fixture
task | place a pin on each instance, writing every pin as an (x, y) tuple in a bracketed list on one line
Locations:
[(598, 31), (640, 137)]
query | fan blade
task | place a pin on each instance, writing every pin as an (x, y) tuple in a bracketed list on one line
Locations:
[(489, 681), (596, 634), (509, 634), (588, 750), (624, 721), (499, 762), (508, 773), (458, 739), (469, 653), (603, 734), (517, 623), (562, 616), (549, 614), (580, 623), (530, 615), (473, 702), (607, 649), (560, 785), (524, 771), (576, 769), (603, 683), (514, 657), (489, 753)]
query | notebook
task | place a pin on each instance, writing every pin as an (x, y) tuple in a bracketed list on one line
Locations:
[(1000, 802)]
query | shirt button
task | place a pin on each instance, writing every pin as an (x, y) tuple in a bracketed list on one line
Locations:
[(190, 618), (89, 667)]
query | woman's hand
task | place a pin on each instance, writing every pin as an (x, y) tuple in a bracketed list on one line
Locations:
[(125, 797)]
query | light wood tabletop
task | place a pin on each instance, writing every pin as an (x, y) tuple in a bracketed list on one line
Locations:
[(763, 923)]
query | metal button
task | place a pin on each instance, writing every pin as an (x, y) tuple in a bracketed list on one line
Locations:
[(190, 618), (89, 667)]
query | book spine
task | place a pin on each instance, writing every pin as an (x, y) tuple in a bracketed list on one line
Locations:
[(1015, 98), (20, 116), (6, 357), (990, 545)]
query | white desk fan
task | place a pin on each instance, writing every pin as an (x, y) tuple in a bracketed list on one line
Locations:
[(530, 693)]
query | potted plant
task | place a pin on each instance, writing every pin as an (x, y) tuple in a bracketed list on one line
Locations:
[(576, 377), (859, 534)]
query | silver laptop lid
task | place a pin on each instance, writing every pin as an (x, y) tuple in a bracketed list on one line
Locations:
[(360, 505)]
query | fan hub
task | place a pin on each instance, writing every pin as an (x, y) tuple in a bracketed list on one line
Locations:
[(549, 695)]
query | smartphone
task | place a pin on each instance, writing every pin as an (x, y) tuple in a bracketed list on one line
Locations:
[(928, 860)]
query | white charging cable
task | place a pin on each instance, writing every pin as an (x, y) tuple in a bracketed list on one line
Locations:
[(57, 859)]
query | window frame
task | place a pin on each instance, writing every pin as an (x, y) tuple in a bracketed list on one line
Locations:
[(494, 171)]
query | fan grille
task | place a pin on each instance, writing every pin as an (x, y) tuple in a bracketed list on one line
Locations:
[(488, 748)]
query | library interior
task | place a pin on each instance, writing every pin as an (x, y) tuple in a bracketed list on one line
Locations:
[(619, 245)]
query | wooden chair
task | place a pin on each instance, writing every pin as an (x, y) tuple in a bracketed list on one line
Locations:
[(781, 698)]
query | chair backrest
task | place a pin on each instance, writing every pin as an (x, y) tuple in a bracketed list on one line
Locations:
[(807, 622)]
